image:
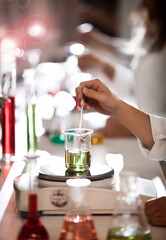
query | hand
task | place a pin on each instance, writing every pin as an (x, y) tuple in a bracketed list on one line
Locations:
[(95, 95), (156, 211), (89, 61)]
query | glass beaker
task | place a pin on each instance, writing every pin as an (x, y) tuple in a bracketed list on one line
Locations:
[(77, 149), (78, 222), (128, 221)]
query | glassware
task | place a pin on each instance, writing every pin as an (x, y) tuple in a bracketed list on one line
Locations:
[(31, 135), (33, 227), (97, 138), (57, 138), (77, 149), (78, 222), (128, 221), (64, 103), (8, 87), (77, 174), (30, 109)]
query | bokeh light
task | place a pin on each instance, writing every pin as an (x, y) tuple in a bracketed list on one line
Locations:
[(95, 120), (85, 28), (33, 56), (77, 49), (36, 29), (7, 44), (15, 40), (63, 103), (19, 52), (7, 51)]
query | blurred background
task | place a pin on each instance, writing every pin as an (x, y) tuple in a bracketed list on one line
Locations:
[(49, 25), (48, 37)]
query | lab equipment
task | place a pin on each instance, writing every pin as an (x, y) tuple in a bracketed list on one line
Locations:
[(78, 222), (33, 227), (77, 149), (8, 87), (128, 221)]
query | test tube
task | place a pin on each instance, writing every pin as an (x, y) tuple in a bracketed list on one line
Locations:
[(8, 87)]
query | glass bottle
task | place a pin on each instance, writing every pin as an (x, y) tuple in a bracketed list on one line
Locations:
[(33, 227), (78, 222), (128, 221), (30, 85), (8, 88)]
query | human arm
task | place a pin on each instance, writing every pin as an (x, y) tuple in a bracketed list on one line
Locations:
[(155, 210), (97, 96), (120, 77), (89, 61), (98, 40)]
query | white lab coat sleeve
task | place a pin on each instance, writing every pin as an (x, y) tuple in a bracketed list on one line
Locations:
[(158, 151)]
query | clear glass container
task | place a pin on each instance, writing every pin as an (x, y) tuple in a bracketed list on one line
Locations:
[(8, 88), (30, 86), (77, 149), (128, 221), (33, 228), (78, 222)]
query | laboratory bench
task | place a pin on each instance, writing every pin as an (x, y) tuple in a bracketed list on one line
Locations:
[(121, 148)]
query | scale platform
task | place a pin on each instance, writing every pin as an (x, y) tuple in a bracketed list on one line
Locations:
[(52, 189)]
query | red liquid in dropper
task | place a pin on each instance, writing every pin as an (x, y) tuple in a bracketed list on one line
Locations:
[(33, 228), (78, 227), (8, 127)]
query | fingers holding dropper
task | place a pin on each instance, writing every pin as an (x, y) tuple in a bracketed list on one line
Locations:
[(81, 99), (79, 95), (85, 105)]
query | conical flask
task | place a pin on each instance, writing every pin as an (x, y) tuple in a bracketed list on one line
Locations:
[(32, 229), (78, 222), (128, 221)]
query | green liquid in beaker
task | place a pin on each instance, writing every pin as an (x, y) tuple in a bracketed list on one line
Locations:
[(31, 136), (85, 173), (117, 234), (77, 160)]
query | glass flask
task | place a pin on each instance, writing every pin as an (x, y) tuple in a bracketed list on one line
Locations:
[(97, 138), (33, 227), (8, 87), (77, 149), (78, 222), (30, 85), (128, 221)]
